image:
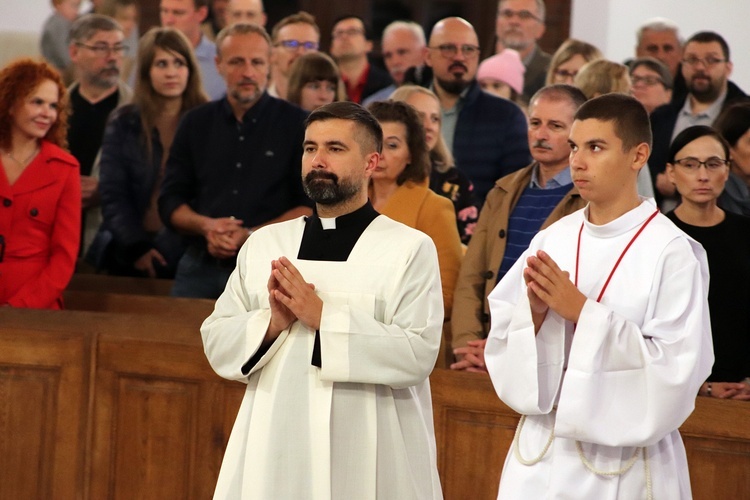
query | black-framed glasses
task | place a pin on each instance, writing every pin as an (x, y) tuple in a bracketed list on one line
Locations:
[(693, 164), (104, 50), (649, 80), (449, 50), (296, 44), (523, 15), (708, 62)]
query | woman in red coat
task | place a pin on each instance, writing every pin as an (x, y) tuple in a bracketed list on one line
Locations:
[(40, 192)]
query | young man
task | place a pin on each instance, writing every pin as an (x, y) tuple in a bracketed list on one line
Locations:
[(600, 332), (333, 322)]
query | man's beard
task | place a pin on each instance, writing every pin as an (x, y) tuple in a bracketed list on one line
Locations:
[(705, 93), (513, 39), (456, 85), (326, 188), (105, 78)]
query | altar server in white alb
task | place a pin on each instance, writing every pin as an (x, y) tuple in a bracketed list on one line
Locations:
[(334, 323), (600, 333)]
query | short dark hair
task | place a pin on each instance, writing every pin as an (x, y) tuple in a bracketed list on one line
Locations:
[(89, 25), (399, 112), (628, 116), (368, 133), (734, 122), (708, 37), (560, 92), (692, 133), (368, 30)]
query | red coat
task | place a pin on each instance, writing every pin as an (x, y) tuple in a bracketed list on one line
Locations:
[(40, 227)]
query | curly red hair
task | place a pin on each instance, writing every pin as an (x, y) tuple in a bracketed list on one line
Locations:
[(18, 80)]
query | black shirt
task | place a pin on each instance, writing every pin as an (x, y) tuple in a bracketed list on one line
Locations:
[(250, 170), (727, 247), (86, 127)]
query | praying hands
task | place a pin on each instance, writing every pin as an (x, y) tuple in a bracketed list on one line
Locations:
[(548, 287)]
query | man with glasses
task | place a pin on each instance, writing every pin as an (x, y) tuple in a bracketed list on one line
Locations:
[(293, 36), (486, 134), (706, 67), (187, 16), (520, 23), (96, 51), (350, 44)]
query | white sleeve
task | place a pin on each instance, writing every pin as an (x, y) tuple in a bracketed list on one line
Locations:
[(630, 385), (396, 346), (525, 368), (233, 333)]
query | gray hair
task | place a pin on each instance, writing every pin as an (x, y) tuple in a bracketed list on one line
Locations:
[(89, 25), (659, 24), (242, 29), (410, 26), (540, 7)]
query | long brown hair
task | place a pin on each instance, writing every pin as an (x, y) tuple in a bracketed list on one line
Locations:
[(149, 102), (17, 81)]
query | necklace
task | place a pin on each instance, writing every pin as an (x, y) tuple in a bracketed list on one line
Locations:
[(24, 162)]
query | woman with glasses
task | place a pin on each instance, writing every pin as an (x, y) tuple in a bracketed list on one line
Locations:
[(445, 178), (652, 82), (314, 80), (698, 167), (132, 240), (568, 59), (40, 190), (399, 189)]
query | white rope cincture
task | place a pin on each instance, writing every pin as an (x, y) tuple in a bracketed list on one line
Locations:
[(628, 465), (516, 446)]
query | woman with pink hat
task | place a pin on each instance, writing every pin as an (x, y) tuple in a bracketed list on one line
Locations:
[(502, 75)]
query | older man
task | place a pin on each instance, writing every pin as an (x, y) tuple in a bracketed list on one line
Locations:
[(518, 206), (486, 134), (96, 51), (291, 37), (659, 38), (333, 323), (404, 48), (520, 23), (187, 16), (233, 165)]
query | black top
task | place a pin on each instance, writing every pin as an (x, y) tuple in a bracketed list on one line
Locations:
[(86, 127), (727, 246), (222, 167)]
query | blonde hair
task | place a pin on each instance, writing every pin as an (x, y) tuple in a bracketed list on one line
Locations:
[(569, 49), (440, 156), (603, 77)]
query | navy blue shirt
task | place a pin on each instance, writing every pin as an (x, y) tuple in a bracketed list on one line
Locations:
[(249, 170)]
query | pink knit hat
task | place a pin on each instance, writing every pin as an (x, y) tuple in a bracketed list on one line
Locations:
[(505, 66)]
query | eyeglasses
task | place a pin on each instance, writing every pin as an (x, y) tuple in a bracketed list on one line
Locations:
[(450, 50), (103, 50), (649, 81), (708, 62), (693, 164), (296, 44), (523, 15), (348, 32)]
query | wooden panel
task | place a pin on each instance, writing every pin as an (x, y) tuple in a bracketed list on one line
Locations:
[(43, 398), (119, 284), (167, 308)]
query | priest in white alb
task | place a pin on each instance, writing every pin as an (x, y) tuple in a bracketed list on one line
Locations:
[(334, 322), (600, 335)]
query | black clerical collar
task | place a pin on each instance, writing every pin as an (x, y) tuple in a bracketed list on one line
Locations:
[(335, 244)]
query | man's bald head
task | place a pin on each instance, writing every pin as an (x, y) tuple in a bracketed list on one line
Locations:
[(453, 54)]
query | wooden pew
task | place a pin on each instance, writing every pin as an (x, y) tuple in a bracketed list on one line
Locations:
[(168, 308), (119, 284), (112, 405), (474, 431)]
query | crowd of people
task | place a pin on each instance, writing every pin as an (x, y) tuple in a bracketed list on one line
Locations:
[(162, 155)]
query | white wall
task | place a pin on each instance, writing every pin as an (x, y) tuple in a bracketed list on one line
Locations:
[(611, 25), (27, 15)]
